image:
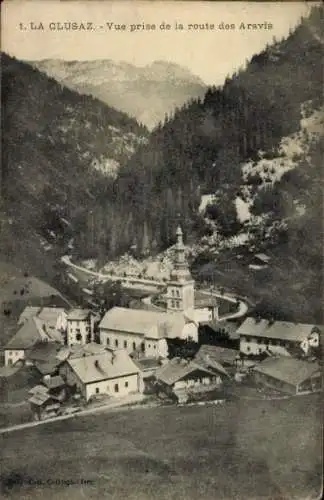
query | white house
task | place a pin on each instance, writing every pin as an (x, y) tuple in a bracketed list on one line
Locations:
[(80, 326), (30, 333), (276, 337), (96, 370)]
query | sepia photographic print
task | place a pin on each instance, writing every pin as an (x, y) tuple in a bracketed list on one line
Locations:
[(161, 245)]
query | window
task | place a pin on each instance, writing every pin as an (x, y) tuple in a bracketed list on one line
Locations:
[(259, 341), (125, 344), (97, 390), (177, 304), (172, 304), (116, 388), (247, 339), (149, 345), (107, 340), (274, 342), (172, 292), (126, 384), (248, 349), (116, 342), (178, 293), (154, 346), (9, 361), (78, 337)]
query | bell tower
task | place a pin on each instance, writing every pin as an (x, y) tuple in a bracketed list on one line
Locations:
[(181, 286)]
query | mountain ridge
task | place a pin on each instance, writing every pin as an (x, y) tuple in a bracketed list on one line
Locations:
[(146, 92)]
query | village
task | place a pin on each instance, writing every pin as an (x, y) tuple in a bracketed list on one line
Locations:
[(179, 349)]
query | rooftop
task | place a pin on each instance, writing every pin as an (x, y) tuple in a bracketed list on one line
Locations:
[(263, 257), (53, 382), (28, 313), (283, 330), (147, 363), (78, 314), (177, 369), (216, 354), (39, 399), (27, 336), (38, 389), (103, 366), (290, 370), (151, 324), (44, 351), (50, 315)]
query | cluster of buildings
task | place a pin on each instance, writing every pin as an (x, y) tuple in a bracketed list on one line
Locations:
[(78, 353)]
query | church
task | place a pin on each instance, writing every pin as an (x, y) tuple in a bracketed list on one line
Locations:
[(147, 330), (181, 294)]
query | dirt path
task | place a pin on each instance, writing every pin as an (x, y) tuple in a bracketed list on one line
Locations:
[(130, 399)]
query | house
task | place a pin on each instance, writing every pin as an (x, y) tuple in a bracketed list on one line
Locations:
[(289, 375), (180, 378), (29, 333), (42, 404), (133, 329), (259, 261), (205, 200), (43, 356), (55, 318), (205, 306), (147, 366), (37, 324), (80, 326), (56, 386), (223, 356), (101, 371), (276, 337)]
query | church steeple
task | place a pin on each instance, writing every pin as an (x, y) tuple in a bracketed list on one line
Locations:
[(180, 294)]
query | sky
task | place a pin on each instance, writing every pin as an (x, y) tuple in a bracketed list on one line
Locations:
[(210, 53)]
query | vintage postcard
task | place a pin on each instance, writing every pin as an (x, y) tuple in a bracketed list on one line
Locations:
[(161, 259)]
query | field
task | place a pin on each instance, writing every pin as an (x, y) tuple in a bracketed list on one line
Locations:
[(242, 450)]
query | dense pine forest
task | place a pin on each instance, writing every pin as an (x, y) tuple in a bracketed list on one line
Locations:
[(201, 147)]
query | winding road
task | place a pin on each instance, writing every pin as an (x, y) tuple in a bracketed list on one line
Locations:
[(242, 306)]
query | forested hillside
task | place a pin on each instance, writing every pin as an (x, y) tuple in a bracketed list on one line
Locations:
[(55, 146), (58, 148), (202, 146)]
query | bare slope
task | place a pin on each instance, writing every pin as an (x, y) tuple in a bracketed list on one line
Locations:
[(147, 93)]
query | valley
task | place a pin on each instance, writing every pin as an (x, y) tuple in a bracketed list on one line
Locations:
[(161, 316)]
